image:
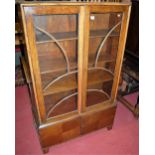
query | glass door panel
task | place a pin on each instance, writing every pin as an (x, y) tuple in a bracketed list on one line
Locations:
[(56, 41), (103, 46)]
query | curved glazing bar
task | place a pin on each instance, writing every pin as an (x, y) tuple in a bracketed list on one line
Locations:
[(58, 78), (98, 90), (56, 42), (71, 95), (73, 72), (103, 42), (101, 68), (60, 102)]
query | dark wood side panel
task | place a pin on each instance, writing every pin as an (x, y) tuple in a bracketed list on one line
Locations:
[(59, 131), (96, 120)]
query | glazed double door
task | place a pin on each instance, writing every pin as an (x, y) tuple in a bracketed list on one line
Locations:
[(76, 53)]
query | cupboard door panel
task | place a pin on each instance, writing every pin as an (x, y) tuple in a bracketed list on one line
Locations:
[(56, 41), (55, 44), (103, 45)]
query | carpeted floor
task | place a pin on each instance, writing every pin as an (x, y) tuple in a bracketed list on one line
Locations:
[(123, 139)]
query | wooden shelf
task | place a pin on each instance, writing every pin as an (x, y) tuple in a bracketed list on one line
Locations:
[(70, 82), (63, 36), (42, 38), (102, 33), (57, 65)]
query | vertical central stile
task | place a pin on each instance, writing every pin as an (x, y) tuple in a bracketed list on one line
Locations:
[(83, 42)]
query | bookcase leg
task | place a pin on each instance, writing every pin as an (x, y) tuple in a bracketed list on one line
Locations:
[(109, 127), (45, 150)]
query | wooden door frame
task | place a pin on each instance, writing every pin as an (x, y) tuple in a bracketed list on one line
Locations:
[(27, 13), (86, 10)]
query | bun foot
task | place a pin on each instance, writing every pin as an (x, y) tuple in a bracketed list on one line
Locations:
[(109, 127), (45, 150)]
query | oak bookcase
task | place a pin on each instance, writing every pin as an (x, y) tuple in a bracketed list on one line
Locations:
[(73, 63)]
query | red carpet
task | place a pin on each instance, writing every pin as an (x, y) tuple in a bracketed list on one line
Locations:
[(123, 139)]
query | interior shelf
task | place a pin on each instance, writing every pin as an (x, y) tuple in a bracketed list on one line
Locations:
[(102, 33), (56, 65), (63, 36), (69, 82)]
